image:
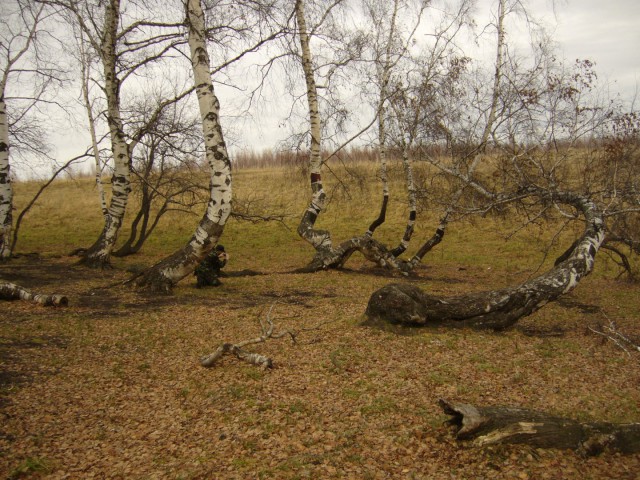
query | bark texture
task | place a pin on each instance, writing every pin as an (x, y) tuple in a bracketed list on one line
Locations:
[(268, 332), (384, 74), (98, 255), (6, 190), (11, 291), (164, 275), (505, 425), (23, 39), (319, 239), (498, 309)]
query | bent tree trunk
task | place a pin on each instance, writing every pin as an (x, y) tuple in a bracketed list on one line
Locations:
[(98, 255), (498, 309), (328, 256), (505, 425), (11, 291), (319, 239), (384, 74), (164, 275)]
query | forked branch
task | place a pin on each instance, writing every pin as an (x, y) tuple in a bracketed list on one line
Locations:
[(268, 332)]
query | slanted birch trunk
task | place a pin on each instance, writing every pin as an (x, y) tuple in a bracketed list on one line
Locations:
[(6, 191), (437, 237), (498, 309), (326, 255), (99, 254), (164, 275)]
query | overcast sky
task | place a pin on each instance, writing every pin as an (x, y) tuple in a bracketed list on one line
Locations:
[(605, 31)]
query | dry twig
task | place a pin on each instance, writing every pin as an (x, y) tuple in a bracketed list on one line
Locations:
[(268, 331), (611, 332)]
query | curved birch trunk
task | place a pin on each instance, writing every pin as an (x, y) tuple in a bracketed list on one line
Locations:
[(384, 73), (382, 153), (498, 309), (11, 291), (6, 191), (164, 275), (98, 255), (319, 239), (509, 425)]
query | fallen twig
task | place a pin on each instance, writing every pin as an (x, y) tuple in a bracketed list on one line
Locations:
[(257, 359), (611, 332)]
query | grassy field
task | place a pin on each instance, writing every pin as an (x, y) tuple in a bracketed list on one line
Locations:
[(111, 387)]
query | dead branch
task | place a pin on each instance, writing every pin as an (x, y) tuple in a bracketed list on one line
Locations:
[(268, 331), (11, 291), (509, 425), (611, 333)]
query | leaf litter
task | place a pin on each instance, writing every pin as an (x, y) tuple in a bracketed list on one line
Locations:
[(111, 387)]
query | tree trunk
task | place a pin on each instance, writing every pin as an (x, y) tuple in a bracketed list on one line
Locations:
[(499, 309), (319, 239), (98, 255), (85, 66), (6, 191), (506, 425), (411, 197), (384, 72), (164, 275), (11, 291)]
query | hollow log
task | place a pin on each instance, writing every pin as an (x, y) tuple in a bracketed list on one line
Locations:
[(11, 291), (484, 426), (496, 309)]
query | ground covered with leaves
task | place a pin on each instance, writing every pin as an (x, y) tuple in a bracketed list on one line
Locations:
[(111, 386)]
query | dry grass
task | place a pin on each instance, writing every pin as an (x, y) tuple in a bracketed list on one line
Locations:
[(110, 387)]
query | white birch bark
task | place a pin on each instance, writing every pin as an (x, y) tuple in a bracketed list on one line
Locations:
[(411, 197), (85, 65), (98, 255), (11, 291), (320, 239), (169, 271), (384, 73), (498, 309), (6, 190)]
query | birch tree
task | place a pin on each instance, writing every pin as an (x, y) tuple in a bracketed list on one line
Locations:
[(334, 256), (164, 275), (123, 50), (546, 122), (20, 27)]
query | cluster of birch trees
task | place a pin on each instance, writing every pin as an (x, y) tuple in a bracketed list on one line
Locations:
[(518, 129)]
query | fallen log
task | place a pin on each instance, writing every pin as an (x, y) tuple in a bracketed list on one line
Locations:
[(497, 309), (484, 426), (11, 291)]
